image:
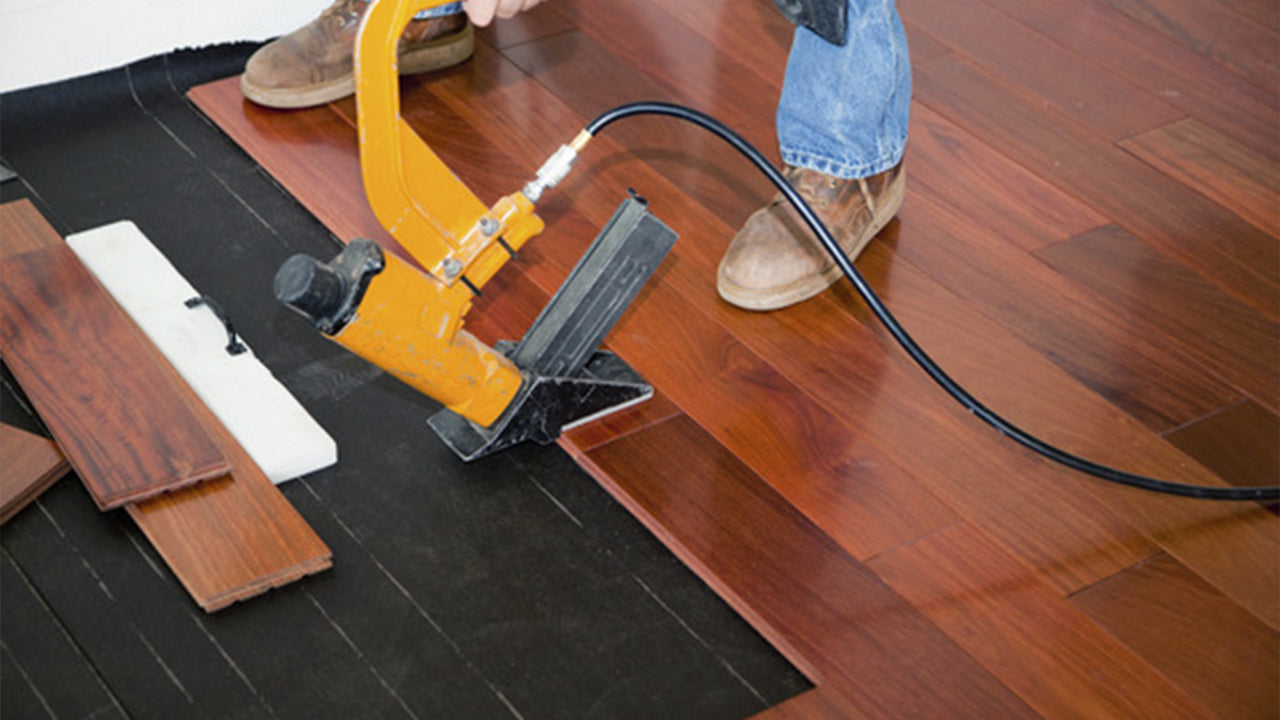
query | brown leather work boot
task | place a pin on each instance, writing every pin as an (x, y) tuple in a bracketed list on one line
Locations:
[(313, 64), (775, 261)]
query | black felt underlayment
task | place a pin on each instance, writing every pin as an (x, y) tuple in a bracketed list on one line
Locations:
[(513, 587)]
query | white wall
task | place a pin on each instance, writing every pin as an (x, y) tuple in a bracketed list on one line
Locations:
[(43, 41)]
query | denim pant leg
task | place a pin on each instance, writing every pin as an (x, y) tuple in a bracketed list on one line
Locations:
[(452, 8), (844, 109)]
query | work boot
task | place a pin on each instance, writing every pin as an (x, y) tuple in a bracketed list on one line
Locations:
[(775, 260), (313, 64)]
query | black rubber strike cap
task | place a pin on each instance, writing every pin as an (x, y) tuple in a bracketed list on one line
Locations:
[(309, 287)]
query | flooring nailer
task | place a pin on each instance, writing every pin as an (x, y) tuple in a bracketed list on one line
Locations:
[(410, 323)]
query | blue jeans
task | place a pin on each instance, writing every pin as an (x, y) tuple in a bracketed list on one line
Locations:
[(844, 109), (448, 9), (452, 8)]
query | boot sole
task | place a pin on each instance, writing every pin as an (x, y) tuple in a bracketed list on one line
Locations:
[(443, 52), (807, 287)]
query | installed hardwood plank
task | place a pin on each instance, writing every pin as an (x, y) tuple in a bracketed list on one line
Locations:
[(1064, 539), (226, 539), (1058, 76), (1217, 166), (95, 380), (1215, 651), (1027, 634), (961, 247), (1206, 90), (841, 367), (1242, 259), (796, 586), (533, 24), (1009, 202), (1239, 444), (1213, 31), (31, 464), (968, 173), (1264, 12), (1138, 282)]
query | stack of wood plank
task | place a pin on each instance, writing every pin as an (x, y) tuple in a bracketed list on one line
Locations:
[(135, 433)]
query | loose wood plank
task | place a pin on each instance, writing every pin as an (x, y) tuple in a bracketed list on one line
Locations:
[(1217, 166), (95, 380), (1221, 656), (1046, 651), (31, 464), (768, 561)]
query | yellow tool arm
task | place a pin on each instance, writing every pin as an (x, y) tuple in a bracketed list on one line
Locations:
[(408, 323)]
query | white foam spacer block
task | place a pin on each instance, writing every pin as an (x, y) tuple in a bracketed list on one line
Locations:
[(267, 421)]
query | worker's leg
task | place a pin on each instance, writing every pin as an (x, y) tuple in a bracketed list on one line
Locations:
[(842, 128), (313, 64)]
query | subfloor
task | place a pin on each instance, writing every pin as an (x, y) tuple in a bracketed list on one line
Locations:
[(1089, 243)]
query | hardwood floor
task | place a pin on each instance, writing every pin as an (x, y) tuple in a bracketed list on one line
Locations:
[(1089, 243)]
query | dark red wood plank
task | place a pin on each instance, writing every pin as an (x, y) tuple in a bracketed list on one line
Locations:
[(1240, 444), (1225, 170), (1224, 658), (96, 381), (1060, 77), (1206, 90), (1028, 635), (1215, 31), (1137, 282), (792, 582), (963, 249), (1242, 259)]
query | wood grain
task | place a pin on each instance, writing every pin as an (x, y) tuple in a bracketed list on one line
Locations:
[(855, 634), (1139, 283), (1217, 166), (96, 382), (1046, 651), (1214, 31), (1239, 444), (31, 464), (792, 342), (226, 539), (1194, 83), (1061, 78), (1242, 260), (1222, 657)]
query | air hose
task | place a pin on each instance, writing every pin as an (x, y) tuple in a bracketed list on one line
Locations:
[(558, 166)]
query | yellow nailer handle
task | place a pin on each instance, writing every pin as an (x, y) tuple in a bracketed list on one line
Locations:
[(414, 195)]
